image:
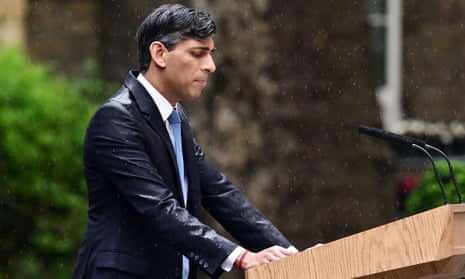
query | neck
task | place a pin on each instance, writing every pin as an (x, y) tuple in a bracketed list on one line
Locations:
[(153, 79)]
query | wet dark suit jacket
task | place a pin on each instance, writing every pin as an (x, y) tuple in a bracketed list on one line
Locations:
[(138, 226)]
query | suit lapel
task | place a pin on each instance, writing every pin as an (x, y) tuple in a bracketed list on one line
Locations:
[(153, 118), (148, 108)]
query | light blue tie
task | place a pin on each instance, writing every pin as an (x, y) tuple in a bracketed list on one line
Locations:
[(175, 122)]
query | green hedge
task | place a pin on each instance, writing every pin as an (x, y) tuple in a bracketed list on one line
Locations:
[(42, 191), (427, 194)]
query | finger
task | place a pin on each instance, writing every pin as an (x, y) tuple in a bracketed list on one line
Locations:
[(272, 257), (282, 251), (276, 255), (272, 254), (281, 254), (277, 248), (265, 260)]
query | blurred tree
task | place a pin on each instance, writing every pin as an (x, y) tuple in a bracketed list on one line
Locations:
[(42, 193)]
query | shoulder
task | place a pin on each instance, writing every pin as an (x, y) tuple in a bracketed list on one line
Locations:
[(120, 103)]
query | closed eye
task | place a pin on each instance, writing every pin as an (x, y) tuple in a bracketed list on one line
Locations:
[(200, 52)]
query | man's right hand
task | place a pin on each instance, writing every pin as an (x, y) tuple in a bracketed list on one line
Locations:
[(249, 259)]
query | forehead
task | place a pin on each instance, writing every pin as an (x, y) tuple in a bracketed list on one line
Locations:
[(207, 44)]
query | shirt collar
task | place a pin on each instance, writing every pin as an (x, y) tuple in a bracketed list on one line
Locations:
[(161, 102)]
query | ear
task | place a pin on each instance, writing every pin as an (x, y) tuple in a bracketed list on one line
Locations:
[(158, 53)]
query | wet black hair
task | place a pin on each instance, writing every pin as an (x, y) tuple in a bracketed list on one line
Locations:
[(170, 24)]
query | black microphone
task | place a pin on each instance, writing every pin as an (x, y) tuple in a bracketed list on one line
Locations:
[(391, 137), (419, 145), (411, 142)]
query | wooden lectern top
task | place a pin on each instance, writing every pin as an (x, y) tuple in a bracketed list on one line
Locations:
[(429, 245)]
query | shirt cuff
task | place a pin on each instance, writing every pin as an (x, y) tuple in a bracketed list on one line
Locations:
[(228, 264)]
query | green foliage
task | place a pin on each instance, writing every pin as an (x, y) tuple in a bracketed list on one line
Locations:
[(427, 194), (42, 190)]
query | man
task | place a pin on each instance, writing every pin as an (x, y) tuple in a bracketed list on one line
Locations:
[(144, 197)]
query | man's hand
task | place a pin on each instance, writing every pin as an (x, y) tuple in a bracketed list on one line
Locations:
[(249, 259)]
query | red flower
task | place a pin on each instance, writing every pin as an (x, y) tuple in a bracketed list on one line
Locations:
[(407, 184)]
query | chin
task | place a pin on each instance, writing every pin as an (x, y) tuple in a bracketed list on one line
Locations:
[(195, 96)]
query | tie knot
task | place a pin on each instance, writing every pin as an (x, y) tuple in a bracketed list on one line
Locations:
[(174, 117)]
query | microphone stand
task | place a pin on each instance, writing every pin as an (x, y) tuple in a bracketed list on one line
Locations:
[(419, 145), (438, 177), (451, 170)]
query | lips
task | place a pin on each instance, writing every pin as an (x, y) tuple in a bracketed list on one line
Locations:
[(202, 82)]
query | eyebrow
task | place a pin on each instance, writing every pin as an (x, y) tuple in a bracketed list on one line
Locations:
[(204, 48)]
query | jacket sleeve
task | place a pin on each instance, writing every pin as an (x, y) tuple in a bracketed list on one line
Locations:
[(233, 210), (115, 147)]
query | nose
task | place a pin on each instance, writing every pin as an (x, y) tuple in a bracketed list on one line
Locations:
[(209, 64)]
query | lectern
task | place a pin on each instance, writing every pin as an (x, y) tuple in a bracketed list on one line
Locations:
[(428, 245)]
